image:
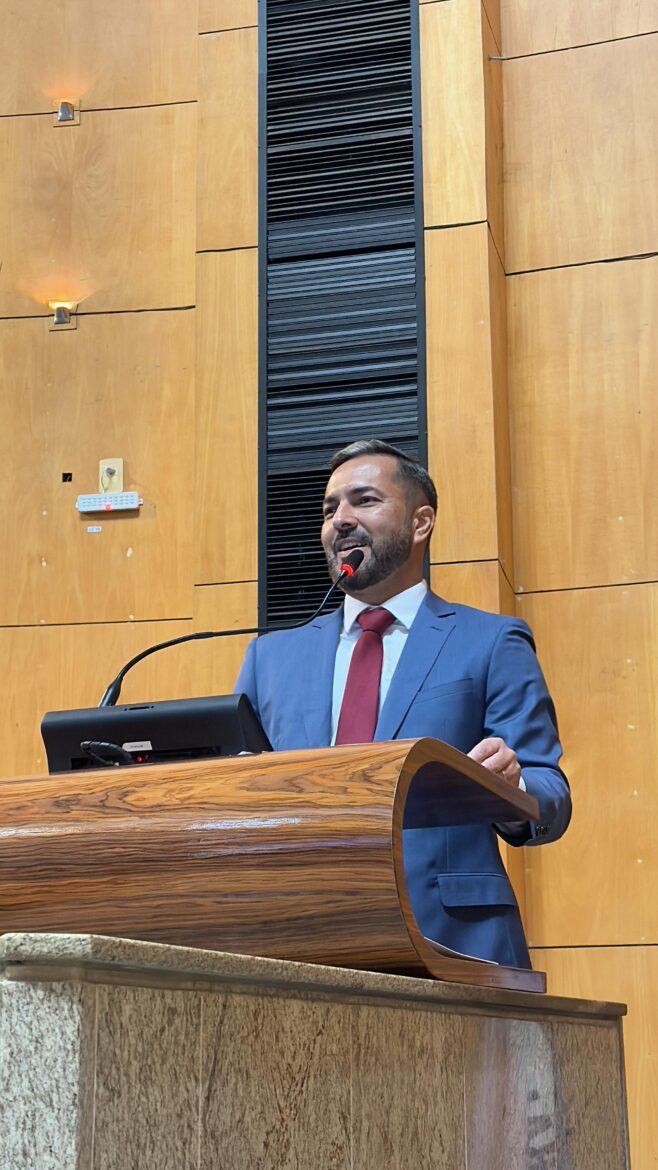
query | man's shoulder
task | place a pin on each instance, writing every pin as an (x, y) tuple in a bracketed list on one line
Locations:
[(279, 641), (472, 619)]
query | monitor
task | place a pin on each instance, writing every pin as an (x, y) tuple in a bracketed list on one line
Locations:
[(142, 733)]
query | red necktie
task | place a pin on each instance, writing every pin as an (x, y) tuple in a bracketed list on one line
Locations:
[(359, 709)]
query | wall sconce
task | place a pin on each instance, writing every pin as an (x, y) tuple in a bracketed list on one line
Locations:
[(63, 315), (67, 113)]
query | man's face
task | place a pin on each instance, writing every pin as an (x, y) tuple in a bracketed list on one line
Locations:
[(367, 506)]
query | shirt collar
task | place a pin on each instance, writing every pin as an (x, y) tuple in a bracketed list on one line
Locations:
[(404, 606)]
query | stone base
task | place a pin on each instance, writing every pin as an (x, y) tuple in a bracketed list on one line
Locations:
[(118, 1055)]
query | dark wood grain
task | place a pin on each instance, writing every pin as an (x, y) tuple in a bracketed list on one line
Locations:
[(295, 855)]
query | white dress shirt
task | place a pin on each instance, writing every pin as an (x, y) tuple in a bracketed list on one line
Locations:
[(404, 607)]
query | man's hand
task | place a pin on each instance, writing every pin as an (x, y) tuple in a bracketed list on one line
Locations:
[(495, 755)]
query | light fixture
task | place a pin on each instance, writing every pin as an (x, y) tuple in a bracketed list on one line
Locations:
[(63, 315), (67, 113)]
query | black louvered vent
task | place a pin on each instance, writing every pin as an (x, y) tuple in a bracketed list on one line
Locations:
[(341, 275)]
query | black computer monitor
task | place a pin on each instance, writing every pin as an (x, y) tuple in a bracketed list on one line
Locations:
[(141, 733)]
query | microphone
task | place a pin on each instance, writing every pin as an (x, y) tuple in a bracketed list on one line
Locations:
[(347, 569)]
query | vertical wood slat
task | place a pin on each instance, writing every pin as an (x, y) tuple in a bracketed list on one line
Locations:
[(226, 489), (454, 181), (227, 169)]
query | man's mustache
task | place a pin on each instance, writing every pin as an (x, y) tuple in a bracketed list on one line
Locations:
[(342, 542)]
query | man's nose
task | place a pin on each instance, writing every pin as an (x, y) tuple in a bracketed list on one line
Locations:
[(343, 516)]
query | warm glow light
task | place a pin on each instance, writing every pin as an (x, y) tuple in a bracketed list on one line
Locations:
[(70, 305)]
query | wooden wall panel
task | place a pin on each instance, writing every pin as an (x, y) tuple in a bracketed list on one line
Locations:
[(493, 15), (624, 975), (597, 886), (226, 500), (123, 54), (227, 206), (460, 393), (493, 129), (55, 668), (480, 584), (118, 385), (454, 179), (98, 213), (532, 26), (582, 359), (227, 14), (581, 168)]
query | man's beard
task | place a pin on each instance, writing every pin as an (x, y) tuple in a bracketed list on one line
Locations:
[(387, 554)]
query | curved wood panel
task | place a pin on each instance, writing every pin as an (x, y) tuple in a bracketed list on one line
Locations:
[(123, 54), (294, 855)]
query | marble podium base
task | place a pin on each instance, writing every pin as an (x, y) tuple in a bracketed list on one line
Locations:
[(118, 1055)]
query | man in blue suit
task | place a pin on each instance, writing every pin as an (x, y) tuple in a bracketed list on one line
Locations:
[(448, 671)]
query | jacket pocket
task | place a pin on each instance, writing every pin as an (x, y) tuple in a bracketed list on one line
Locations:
[(458, 687), (475, 889)]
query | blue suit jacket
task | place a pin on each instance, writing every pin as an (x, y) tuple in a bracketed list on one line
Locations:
[(463, 675)]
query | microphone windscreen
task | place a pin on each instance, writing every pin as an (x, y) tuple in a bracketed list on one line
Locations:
[(352, 561)]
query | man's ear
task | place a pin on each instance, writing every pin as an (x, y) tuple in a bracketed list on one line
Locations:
[(424, 518)]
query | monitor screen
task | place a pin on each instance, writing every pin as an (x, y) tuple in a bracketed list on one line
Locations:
[(142, 733)]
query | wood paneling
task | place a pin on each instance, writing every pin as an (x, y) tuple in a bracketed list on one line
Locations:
[(228, 141), (55, 668), (480, 584), (582, 361), (628, 975), (454, 180), (226, 500), (492, 13), (500, 402), (98, 213), (222, 14), (118, 385), (460, 393), (581, 168), (125, 54), (597, 886), (532, 26), (493, 129)]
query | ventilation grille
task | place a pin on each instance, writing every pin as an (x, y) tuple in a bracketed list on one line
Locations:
[(342, 281)]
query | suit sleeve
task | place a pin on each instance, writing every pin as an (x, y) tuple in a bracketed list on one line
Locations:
[(520, 710), (246, 682)]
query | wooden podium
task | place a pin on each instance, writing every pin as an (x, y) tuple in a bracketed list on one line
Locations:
[(295, 855), (180, 1053)]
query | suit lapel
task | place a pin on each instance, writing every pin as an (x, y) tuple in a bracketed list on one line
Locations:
[(315, 677), (428, 634)]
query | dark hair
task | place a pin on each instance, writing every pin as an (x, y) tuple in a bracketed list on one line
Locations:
[(409, 469)]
